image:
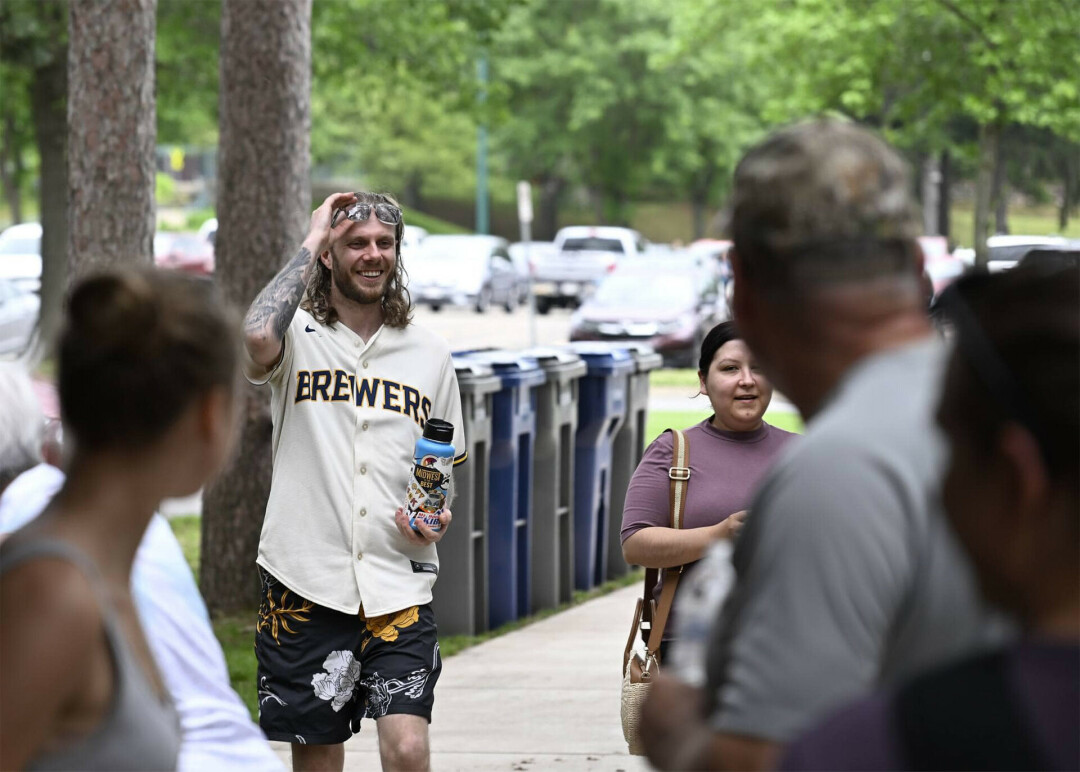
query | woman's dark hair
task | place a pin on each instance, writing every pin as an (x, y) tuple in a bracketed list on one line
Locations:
[(396, 302), (1018, 358), (138, 347), (717, 337)]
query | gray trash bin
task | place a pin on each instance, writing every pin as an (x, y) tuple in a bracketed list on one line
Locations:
[(460, 597), (553, 477), (628, 446)]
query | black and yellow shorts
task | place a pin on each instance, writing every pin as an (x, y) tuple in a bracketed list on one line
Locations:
[(320, 671)]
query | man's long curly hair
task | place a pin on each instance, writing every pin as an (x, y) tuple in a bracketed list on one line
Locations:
[(396, 302)]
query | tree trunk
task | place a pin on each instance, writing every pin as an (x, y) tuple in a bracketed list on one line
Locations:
[(264, 200), (412, 195), (699, 202), (48, 105), (112, 131), (11, 166), (931, 190), (1068, 190), (547, 219), (944, 218), (989, 136), (999, 191)]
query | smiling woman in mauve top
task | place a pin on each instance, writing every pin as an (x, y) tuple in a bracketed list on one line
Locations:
[(729, 453)]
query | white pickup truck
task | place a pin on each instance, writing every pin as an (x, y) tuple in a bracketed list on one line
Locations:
[(582, 256)]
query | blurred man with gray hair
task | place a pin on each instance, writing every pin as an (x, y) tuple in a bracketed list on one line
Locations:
[(847, 576)]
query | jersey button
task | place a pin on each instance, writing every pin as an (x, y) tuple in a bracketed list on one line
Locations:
[(359, 555), (364, 426), (363, 470), (363, 512), (365, 364)]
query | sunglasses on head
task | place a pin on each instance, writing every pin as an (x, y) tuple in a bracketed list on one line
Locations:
[(385, 213)]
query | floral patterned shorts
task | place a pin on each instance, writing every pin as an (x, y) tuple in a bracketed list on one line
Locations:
[(321, 671)]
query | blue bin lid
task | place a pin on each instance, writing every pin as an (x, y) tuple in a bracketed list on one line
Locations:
[(603, 358), (511, 366)]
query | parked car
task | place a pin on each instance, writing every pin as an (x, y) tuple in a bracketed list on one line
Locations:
[(20, 255), (208, 230), (524, 254), (581, 257), (1007, 251), (188, 252), (671, 311), (413, 236), (19, 308), (940, 265), (463, 270)]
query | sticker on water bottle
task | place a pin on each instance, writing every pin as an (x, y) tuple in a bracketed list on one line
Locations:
[(426, 494)]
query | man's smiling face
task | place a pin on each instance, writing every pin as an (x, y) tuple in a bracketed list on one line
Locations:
[(362, 260)]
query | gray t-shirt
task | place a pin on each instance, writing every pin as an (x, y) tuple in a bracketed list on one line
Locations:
[(848, 576)]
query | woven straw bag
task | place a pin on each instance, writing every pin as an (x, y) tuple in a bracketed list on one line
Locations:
[(650, 618)]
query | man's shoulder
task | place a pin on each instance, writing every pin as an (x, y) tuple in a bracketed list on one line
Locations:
[(421, 340)]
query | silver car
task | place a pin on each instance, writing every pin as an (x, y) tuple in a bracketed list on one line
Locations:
[(467, 270), (19, 308)]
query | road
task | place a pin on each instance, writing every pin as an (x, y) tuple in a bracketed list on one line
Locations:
[(466, 329)]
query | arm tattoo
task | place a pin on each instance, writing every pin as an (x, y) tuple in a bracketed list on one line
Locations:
[(276, 304)]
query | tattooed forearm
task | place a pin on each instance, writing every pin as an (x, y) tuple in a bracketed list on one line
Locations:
[(274, 308)]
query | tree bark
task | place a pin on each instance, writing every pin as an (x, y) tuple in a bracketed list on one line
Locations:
[(999, 191), (989, 136), (931, 191), (11, 166), (48, 106), (263, 209), (547, 215), (944, 217), (112, 131)]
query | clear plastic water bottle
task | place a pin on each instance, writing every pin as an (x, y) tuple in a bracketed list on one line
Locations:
[(697, 608), (433, 460)]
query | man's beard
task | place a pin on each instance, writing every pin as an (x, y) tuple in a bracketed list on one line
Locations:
[(347, 288)]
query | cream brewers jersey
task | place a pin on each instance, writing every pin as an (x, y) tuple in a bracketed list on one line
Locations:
[(346, 416)]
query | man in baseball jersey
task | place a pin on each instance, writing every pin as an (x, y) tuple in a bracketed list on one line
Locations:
[(345, 627)]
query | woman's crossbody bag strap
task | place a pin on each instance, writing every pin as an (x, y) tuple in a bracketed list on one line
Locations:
[(655, 614)]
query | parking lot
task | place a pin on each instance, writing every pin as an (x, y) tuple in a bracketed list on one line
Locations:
[(466, 329)]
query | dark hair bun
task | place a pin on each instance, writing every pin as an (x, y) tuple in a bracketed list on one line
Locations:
[(138, 347)]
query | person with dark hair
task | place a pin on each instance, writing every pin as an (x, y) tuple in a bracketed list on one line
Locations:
[(846, 574), (79, 688), (1011, 412), (353, 383), (730, 451)]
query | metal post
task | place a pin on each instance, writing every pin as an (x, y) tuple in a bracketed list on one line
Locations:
[(482, 216), (525, 216)]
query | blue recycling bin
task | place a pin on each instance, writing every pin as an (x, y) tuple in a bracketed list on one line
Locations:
[(510, 480), (602, 402)]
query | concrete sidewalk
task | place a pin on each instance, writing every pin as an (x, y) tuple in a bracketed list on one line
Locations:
[(545, 697)]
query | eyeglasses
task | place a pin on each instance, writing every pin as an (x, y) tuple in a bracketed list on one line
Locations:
[(385, 213)]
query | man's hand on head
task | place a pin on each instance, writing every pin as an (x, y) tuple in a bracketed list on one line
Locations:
[(318, 238), (424, 534)]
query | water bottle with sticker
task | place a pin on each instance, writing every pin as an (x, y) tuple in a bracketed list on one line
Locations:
[(433, 461)]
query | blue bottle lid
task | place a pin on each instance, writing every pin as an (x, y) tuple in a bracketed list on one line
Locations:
[(438, 430)]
